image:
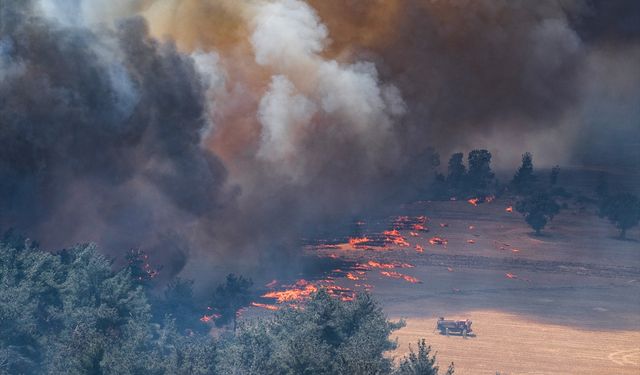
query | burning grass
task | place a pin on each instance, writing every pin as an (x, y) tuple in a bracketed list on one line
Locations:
[(301, 291), (398, 275), (394, 237), (438, 241)]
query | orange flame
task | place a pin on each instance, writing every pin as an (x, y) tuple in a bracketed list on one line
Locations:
[(358, 242), (473, 201), (351, 276), (419, 227), (375, 264), (419, 249), (272, 284), (265, 306), (398, 275), (438, 241), (301, 290), (379, 265), (509, 209), (395, 237), (209, 318)]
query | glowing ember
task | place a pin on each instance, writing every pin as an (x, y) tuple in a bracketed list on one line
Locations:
[(265, 306), (272, 284), (489, 198), (352, 276), (437, 241), (471, 241), (449, 269), (419, 249), (419, 227), (209, 318), (471, 227), (393, 236), (515, 250), (388, 266), (473, 201), (375, 264), (414, 234), (398, 275), (301, 290), (444, 225), (358, 242), (510, 275), (410, 223), (509, 209)]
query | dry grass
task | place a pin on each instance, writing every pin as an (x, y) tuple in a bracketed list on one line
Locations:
[(513, 345)]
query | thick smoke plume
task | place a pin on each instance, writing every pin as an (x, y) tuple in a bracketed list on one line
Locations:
[(213, 133), (101, 137)]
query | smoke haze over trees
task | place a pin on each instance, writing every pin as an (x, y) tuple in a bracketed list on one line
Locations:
[(198, 130), (71, 313)]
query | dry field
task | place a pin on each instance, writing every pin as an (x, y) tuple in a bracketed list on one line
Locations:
[(570, 306), (514, 345)]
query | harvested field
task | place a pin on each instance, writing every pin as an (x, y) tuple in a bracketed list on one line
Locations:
[(567, 302), (515, 345)]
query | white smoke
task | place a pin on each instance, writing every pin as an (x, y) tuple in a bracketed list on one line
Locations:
[(345, 103), (213, 79), (86, 13), (284, 115)]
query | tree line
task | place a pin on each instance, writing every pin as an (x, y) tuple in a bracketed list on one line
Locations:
[(70, 312), (537, 199)]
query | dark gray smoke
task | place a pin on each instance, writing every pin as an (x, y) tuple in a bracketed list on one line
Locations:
[(100, 136), (506, 75), (318, 109)]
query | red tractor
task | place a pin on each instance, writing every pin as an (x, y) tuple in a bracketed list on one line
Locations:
[(461, 327)]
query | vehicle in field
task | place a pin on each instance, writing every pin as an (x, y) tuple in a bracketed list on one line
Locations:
[(461, 327)]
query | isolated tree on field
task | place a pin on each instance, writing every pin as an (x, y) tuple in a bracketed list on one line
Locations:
[(480, 175), (623, 210), (230, 297), (553, 175), (456, 172), (538, 209), (420, 363), (524, 178)]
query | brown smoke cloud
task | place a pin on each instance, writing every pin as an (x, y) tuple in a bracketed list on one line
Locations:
[(254, 120), (504, 75)]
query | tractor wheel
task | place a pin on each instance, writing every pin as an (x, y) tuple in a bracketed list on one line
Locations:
[(464, 333)]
